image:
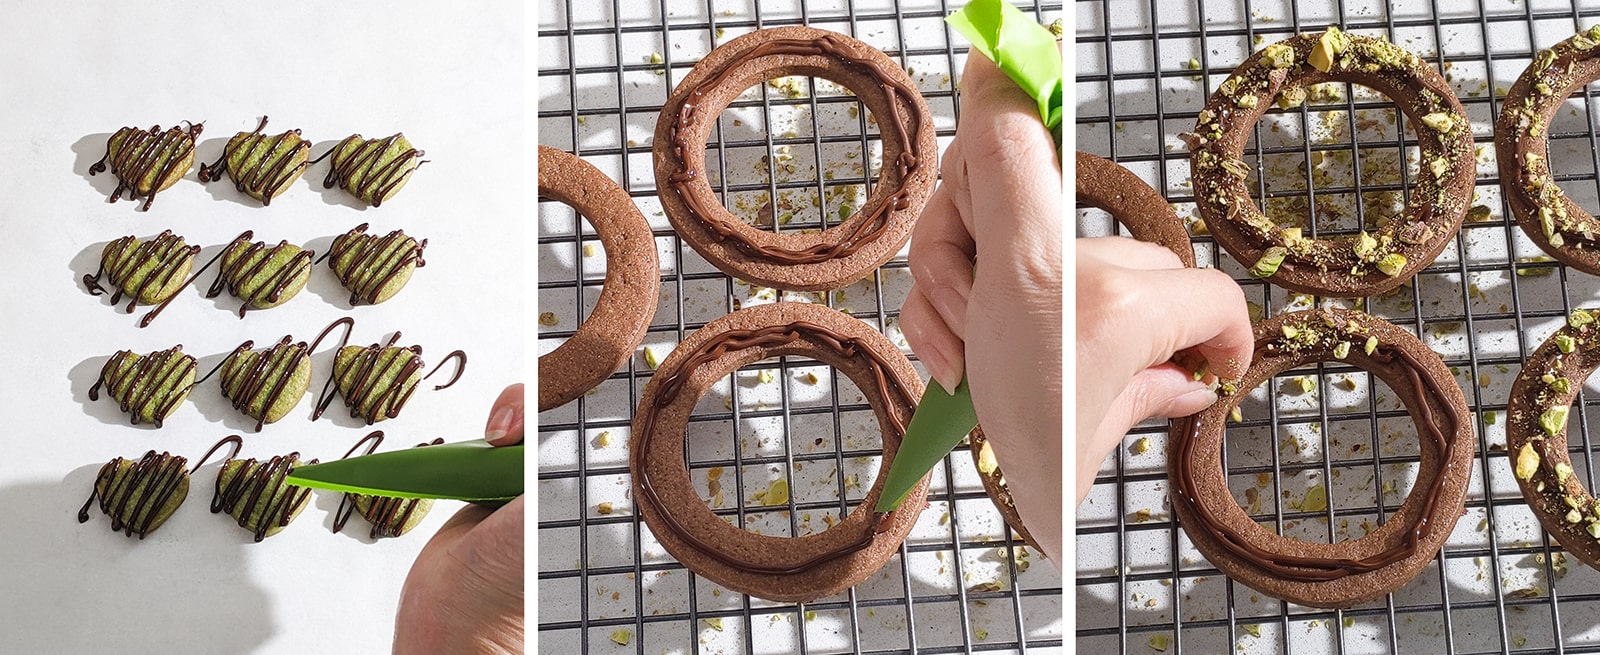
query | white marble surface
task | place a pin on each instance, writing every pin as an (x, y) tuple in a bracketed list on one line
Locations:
[(452, 80)]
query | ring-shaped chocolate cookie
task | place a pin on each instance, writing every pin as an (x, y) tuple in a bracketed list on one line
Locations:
[(994, 484), (1536, 436), (1350, 572), (843, 253), (1552, 220), (775, 568), (614, 329), (1370, 263), (1106, 185)]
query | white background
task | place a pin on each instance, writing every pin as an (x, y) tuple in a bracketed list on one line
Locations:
[(70, 74)]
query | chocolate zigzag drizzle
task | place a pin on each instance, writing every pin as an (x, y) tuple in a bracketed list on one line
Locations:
[(374, 268), (261, 166), (147, 162), (257, 496), (372, 169), (143, 270), (147, 387), (390, 517), (261, 276), (377, 380), (140, 496)]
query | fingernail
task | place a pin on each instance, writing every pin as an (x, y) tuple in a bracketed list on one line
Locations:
[(951, 376), (500, 423)]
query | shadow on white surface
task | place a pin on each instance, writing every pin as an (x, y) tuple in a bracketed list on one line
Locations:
[(357, 528), (89, 150), (114, 587), (106, 410)]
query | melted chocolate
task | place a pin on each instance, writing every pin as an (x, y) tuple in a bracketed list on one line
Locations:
[(378, 260), (234, 276), (1312, 569), (388, 516), (142, 378), (258, 483), (159, 473), (383, 176), (365, 389), (247, 382), (166, 251), (864, 231), (144, 151), (262, 180), (890, 395)]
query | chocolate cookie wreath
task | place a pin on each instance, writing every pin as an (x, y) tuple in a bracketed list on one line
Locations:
[(834, 257), (614, 329), (1105, 185), (1536, 436), (1349, 572), (776, 568), (1552, 220), (1369, 263)]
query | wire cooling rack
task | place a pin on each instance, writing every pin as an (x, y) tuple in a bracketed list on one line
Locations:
[(793, 154), (1325, 452)]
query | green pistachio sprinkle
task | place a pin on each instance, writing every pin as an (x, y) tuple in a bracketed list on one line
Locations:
[(1554, 420), (1440, 121), (1566, 344), (1527, 462), (1372, 345), (1579, 318), (1392, 264), (1269, 262), (1342, 350)]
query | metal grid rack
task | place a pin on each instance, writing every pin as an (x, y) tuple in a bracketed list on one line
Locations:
[(790, 155), (1500, 585)]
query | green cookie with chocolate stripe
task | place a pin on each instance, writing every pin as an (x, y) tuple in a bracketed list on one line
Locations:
[(377, 382), (139, 496), (257, 496), (260, 275), (149, 387), (374, 268), (266, 385), (147, 272), (261, 166), (147, 162), (373, 170)]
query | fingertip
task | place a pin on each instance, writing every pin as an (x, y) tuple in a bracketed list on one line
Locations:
[(506, 418)]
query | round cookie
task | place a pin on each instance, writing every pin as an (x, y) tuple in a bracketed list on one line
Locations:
[(834, 257), (1105, 185), (1551, 219), (606, 340), (1350, 572), (775, 568), (1536, 435), (1369, 263)]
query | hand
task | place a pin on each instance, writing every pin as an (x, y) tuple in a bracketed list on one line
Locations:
[(986, 300), (1137, 307), (464, 593)]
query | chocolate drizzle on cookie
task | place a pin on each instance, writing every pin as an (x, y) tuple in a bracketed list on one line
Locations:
[(377, 380), (134, 494), (147, 162), (367, 169), (279, 161), (147, 387), (895, 91), (368, 264), (256, 382), (249, 274), (123, 264), (889, 392), (257, 494), (389, 516)]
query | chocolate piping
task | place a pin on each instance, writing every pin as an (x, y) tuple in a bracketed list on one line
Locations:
[(863, 232), (378, 260), (234, 276), (461, 366), (387, 515), (140, 152), (248, 382), (768, 337), (163, 472), (365, 375), (383, 178), (142, 372), (258, 482), (166, 250), (263, 181), (1316, 569)]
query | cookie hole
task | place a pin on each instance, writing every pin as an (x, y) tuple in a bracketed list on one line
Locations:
[(1303, 162), (572, 272), (786, 460), (1340, 446), (1571, 153), (824, 156)]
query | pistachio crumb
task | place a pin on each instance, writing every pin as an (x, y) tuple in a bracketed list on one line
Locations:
[(1331, 45), (620, 636), (1269, 262), (1440, 121), (603, 508), (650, 358), (1553, 420), (1527, 462), (1341, 350), (1372, 345), (548, 318)]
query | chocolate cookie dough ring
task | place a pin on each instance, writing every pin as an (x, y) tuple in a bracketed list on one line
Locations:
[(1536, 438), (614, 329), (1551, 219), (1369, 263), (1349, 572), (834, 257), (994, 484), (1105, 185), (775, 568)]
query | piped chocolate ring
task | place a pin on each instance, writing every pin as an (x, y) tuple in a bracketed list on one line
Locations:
[(1349, 572), (994, 484), (606, 340), (776, 568), (842, 253), (1536, 436), (1369, 263), (1551, 219), (1105, 185)]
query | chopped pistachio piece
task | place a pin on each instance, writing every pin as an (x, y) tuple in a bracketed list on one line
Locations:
[(1329, 47), (1235, 414), (1566, 344), (1594, 530), (1440, 121), (1305, 384), (1316, 499), (1277, 55), (548, 318), (1159, 642), (1392, 264), (986, 461), (777, 494), (1563, 471), (1269, 262), (1342, 350), (1246, 102), (650, 358), (1364, 245), (1579, 318), (1290, 331), (1291, 235), (1291, 97), (620, 636), (1252, 629), (1553, 420), (1527, 462), (1372, 344), (1139, 447)]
